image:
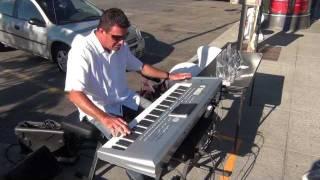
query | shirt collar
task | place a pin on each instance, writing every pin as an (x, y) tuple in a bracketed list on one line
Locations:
[(96, 42), (98, 45)]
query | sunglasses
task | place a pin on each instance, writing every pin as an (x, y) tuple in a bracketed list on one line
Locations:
[(119, 38)]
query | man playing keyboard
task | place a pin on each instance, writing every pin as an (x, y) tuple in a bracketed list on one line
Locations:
[(96, 76)]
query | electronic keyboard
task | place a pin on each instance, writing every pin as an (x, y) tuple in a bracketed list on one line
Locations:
[(158, 131)]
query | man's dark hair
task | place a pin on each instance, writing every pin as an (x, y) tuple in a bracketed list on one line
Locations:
[(111, 17)]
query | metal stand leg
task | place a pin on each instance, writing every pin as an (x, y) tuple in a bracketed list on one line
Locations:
[(94, 162), (189, 165), (242, 98), (160, 176), (252, 91)]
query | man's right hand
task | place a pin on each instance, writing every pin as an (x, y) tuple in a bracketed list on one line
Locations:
[(116, 125)]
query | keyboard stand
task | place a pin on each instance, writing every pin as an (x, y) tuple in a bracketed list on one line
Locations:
[(209, 133)]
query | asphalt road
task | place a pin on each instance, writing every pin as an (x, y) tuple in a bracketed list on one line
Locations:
[(31, 88)]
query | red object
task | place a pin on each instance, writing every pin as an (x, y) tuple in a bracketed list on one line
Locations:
[(279, 6), (301, 7), (283, 7)]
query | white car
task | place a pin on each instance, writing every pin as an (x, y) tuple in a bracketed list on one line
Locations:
[(47, 27)]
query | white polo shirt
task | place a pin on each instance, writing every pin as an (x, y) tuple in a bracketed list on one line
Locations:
[(101, 75)]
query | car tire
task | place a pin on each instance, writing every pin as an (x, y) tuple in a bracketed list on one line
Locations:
[(60, 56), (5, 48), (2, 47)]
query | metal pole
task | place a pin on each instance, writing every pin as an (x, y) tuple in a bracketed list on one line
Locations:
[(242, 24)]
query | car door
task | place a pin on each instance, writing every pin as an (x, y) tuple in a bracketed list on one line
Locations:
[(30, 35), (6, 21)]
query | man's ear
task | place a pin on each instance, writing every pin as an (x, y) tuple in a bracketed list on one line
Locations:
[(100, 30)]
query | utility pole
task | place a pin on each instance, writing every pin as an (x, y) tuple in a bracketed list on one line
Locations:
[(242, 25), (254, 32)]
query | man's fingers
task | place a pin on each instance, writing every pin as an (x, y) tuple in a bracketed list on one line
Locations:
[(122, 126), (180, 76), (118, 127), (186, 75), (113, 132), (117, 131), (123, 121)]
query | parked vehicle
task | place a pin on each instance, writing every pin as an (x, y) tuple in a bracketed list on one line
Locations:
[(47, 27)]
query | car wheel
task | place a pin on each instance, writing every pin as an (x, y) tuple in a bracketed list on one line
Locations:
[(60, 56), (2, 46)]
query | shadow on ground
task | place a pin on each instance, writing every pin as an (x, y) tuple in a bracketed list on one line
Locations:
[(155, 50), (279, 39), (31, 85), (267, 94)]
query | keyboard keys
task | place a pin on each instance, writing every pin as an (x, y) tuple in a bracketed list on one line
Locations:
[(166, 103), (124, 142), (156, 112), (138, 129), (171, 99), (118, 148), (176, 95), (179, 91), (163, 108), (132, 136), (183, 88), (145, 123), (153, 118)]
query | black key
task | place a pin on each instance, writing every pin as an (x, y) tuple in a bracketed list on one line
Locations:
[(153, 118), (171, 98), (138, 129), (156, 112), (162, 108), (132, 136), (118, 148), (145, 123), (123, 143), (179, 91), (166, 103), (175, 95), (183, 87)]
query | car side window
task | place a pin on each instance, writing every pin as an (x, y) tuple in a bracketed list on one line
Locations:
[(26, 10), (6, 7)]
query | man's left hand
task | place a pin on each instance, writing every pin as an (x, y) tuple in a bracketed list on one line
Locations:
[(179, 76)]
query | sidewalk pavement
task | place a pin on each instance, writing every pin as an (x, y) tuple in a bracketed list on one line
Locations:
[(280, 137), (280, 131), (285, 110)]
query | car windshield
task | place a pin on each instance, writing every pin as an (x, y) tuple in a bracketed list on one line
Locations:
[(69, 11)]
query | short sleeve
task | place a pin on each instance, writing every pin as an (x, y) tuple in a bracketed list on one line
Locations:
[(133, 63), (77, 70)]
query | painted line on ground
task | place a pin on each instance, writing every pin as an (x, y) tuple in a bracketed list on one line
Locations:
[(231, 158)]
